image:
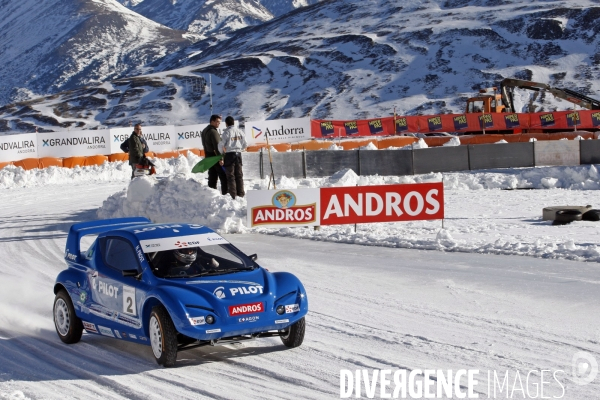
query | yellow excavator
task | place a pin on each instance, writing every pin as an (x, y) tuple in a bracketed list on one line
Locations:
[(492, 100)]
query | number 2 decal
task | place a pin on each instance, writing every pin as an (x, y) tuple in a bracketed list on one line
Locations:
[(129, 306)]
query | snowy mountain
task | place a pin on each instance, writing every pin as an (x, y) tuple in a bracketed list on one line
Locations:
[(206, 18), (348, 59), (63, 44), (213, 18), (280, 7)]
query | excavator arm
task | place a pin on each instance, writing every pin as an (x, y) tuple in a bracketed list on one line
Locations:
[(507, 87)]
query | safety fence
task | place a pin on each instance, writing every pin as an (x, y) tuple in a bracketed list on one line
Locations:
[(436, 158), (312, 164)]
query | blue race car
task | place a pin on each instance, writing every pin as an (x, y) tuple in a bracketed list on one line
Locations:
[(173, 287)]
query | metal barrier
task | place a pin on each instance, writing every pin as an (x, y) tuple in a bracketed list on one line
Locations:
[(323, 163)]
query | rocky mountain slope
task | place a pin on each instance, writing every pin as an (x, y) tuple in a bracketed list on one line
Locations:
[(346, 59), (63, 44), (215, 17)]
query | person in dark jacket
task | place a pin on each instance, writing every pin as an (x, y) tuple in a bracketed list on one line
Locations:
[(137, 148), (210, 142)]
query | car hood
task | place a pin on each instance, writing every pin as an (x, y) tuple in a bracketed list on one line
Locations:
[(239, 286)]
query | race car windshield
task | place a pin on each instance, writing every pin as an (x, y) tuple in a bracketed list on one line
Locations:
[(199, 261)]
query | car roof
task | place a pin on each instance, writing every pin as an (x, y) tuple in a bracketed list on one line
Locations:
[(169, 230)]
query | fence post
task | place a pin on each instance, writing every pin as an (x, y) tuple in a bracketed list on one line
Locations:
[(304, 162)]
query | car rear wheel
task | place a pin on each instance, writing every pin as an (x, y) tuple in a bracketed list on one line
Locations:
[(163, 337), (67, 324), (293, 335)]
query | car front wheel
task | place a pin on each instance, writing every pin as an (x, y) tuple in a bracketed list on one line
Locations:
[(68, 325), (293, 335), (163, 337)]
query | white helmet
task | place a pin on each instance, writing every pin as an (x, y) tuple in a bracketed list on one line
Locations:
[(186, 255)]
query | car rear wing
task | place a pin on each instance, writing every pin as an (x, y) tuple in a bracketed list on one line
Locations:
[(77, 231)]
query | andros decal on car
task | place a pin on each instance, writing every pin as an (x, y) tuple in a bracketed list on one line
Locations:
[(89, 327), (250, 308)]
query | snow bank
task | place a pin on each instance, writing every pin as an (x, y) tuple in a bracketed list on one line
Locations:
[(179, 198)]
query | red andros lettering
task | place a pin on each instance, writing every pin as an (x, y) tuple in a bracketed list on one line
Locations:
[(250, 308), (272, 214), (382, 203)]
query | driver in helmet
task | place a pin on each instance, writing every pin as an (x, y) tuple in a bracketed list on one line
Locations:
[(178, 263)]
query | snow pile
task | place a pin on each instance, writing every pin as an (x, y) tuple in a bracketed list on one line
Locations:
[(12, 176), (177, 199), (454, 141), (335, 147), (420, 144), (369, 146)]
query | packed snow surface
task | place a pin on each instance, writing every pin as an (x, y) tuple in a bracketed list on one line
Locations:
[(377, 301)]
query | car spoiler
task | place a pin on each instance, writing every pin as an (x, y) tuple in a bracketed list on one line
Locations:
[(77, 231)]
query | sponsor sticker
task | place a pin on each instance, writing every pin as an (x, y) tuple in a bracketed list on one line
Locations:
[(197, 321), (246, 290), (219, 292), (281, 321), (249, 308), (143, 338), (89, 327), (292, 308), (118, 334), (132, 336), (105, 331), (206, 239), (253, 318), (213, 331)]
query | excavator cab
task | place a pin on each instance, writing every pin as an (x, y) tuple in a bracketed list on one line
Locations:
[(486, 103)]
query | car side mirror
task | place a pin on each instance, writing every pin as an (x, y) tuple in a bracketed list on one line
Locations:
[(253, 257), (132, 272)]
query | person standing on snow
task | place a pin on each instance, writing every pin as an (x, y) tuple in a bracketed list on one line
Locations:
[(137, 148), (232, 145), (210, 142)]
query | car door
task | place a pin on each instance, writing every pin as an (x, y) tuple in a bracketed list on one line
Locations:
[(117, 296)]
